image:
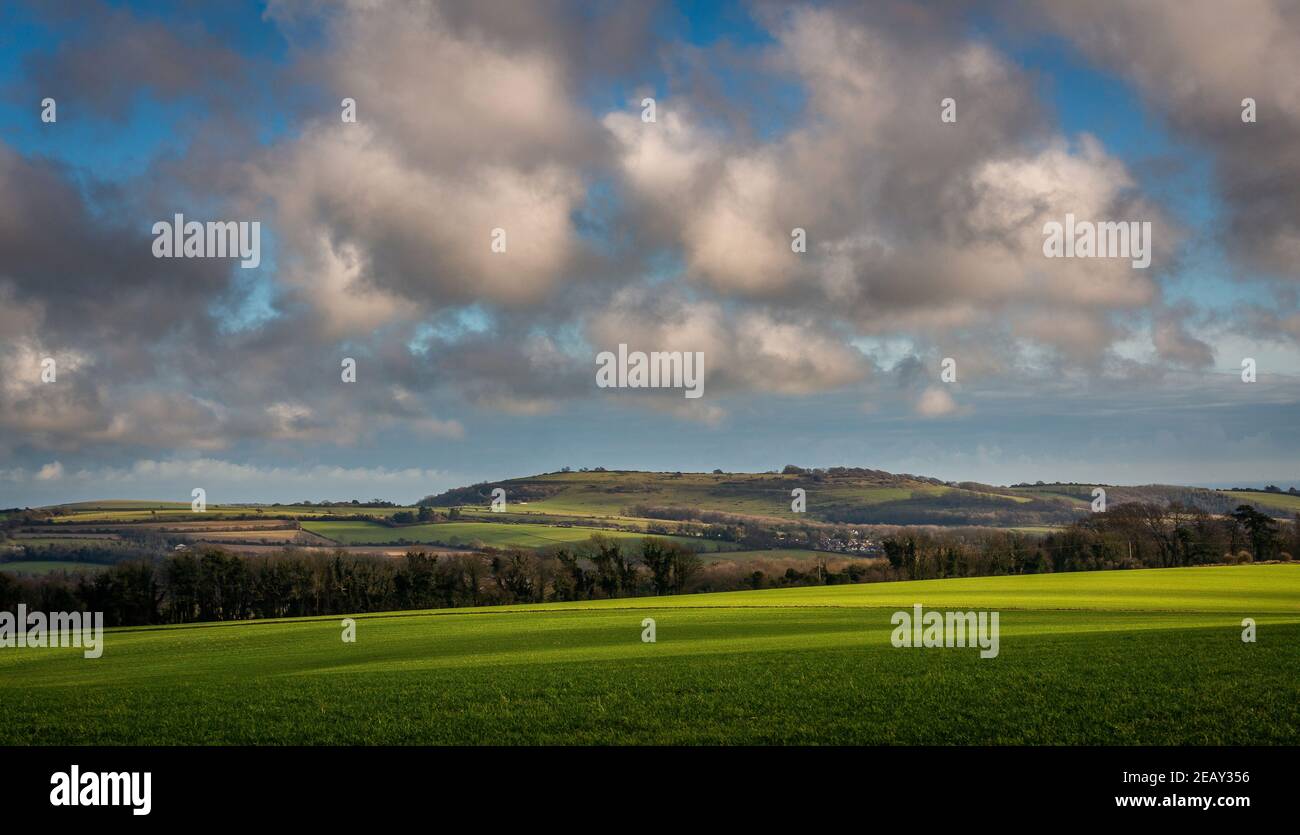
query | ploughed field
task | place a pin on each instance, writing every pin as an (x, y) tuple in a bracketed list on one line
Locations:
[(1123, 657)]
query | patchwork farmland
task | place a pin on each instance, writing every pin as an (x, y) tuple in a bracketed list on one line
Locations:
[(848, 512)]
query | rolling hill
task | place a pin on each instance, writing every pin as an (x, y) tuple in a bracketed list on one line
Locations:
[(837, 495), (705, 511), (1114, 658)]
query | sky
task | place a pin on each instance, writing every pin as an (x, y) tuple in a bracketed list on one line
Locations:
[(476, 352)]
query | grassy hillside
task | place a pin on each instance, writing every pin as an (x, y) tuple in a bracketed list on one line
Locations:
[(491, 534), (141, 511), (1277, 503), (1136, 657), (634, 500), (837, 495), (1211, 501)]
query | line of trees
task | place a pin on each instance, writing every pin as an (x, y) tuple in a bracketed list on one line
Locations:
[(1133, 535), (214, 585)]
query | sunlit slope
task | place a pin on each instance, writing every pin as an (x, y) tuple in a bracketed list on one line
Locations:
[(1141, 657), (1279, 503), (846, 495), (616, 493), (1273, 589)]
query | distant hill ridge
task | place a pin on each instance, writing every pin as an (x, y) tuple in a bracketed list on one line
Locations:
[(838, 494)]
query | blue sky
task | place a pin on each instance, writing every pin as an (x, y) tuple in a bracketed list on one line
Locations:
[(472, 371)]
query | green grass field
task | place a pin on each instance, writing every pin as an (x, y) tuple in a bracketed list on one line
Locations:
[(143, 511), (65, 541), (39, 567), (609, 493), (1280, 503), (490, 534), (1133, 657)]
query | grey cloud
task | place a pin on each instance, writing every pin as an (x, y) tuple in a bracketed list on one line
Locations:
[(1174, 342), (914, 226), (1195, 61), (112, 55), (473, 116)]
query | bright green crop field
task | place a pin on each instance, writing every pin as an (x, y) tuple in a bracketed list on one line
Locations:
[(1123, 657)]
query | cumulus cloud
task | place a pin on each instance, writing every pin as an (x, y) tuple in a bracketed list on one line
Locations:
[(459, 133), (671, 235), (168, 63), (913, 226), (750, 351), (935, 402), (1175, 343), (1194, 62), (401, 238), (50, 472)]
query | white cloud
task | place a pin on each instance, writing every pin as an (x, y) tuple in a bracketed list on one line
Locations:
[(50, 472), (935, 402)]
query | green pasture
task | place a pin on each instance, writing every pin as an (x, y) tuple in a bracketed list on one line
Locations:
[(39, 567), (476, 534), (1118, 658)]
